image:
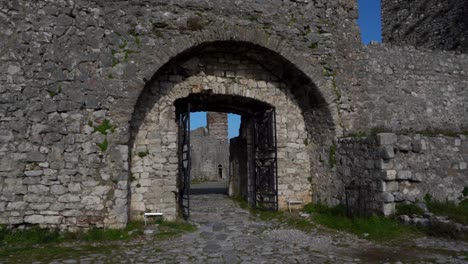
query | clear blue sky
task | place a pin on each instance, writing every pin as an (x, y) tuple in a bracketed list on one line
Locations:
[(370, 23)]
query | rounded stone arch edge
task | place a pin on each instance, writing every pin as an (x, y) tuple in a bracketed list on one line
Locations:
[(183, 45)]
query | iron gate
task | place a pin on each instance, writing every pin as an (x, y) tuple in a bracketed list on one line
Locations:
[(184, 161), (265, 160)]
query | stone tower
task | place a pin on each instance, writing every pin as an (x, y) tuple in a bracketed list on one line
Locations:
[(432, 24), (217, 125)]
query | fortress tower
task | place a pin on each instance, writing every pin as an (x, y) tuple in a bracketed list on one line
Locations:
[(217, 125), (432, 24)]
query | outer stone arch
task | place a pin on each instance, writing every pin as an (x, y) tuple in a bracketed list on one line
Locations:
[(302, 61), (229, 68)]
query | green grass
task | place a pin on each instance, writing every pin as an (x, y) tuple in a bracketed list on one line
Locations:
[(168, 230), (374, 227), (457, 213), (104, 145), (38, 244), (408, 209), (291, 220), (104, 127)]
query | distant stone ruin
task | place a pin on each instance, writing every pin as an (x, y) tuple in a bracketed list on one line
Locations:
[(210, 147)]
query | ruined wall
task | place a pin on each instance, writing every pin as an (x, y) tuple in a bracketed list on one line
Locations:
[(241, 163), (208, 152), (217, 124), (404, 90), (402, 168), (433, 24), (155, 174), (66, 67)]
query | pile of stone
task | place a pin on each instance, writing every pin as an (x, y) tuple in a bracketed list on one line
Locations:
[(429, 220)]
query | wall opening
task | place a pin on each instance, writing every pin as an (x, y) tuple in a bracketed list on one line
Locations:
[(242, 77), (220, 171)]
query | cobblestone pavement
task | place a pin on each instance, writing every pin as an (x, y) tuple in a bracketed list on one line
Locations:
[(228, 234)]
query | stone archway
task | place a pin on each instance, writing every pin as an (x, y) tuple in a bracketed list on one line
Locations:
[(234, 69)]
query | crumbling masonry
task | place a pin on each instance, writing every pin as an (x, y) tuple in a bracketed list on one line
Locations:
[(88, 132)]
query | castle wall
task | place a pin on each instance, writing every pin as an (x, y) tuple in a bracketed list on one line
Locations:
[(217, 124), (433, 24), (155, 174), (404, 90), (402, 168), (67, 67)]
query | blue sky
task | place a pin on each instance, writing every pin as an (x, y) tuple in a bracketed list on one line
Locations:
[(370, 23)]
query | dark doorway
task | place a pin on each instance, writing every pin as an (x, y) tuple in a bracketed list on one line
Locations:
[(260, 182)]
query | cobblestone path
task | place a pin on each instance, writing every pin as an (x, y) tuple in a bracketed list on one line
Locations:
[(228, 234)]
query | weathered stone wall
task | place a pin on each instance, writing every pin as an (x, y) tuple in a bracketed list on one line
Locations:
[(402, 168), (224, 74), (433, 24), (404, 90), (360, 162), (207, 153), (217, 124), (67, 66), (238, 174), (73, 73)]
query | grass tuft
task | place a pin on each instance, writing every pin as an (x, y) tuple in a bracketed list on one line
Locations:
[(457, 213), (373, 227), (408, 209), (168, 230)]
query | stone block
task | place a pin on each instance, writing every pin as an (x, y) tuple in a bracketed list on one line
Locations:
[(15, 220), (36, 157), (41, 219), (34, 173), (38, 189), (16, 206), (404, 143), (69, 198), (388, 209), (398, 197), (385, 164), (386, 139), (387, 152), (58, 189), (463, 166), (39, 206), (419, 146), (416, 177), (404, 175), (391, 186), (387, 197), (389, 175)]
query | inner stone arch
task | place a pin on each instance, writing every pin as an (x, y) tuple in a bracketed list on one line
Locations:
[(232, 71)]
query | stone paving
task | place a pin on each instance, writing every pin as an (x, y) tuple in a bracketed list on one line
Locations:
[(228, 234)]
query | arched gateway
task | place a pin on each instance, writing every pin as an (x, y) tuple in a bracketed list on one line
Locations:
[(283, 113)]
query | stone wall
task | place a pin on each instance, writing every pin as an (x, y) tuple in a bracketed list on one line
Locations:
[(218, 73), (217, 124), (402, 168), (208, 152), (360, 162), (433, 24), (405, 91), (67, 67)]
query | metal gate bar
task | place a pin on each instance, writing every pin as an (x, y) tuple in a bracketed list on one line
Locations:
[(265, 161), (184, 162)]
